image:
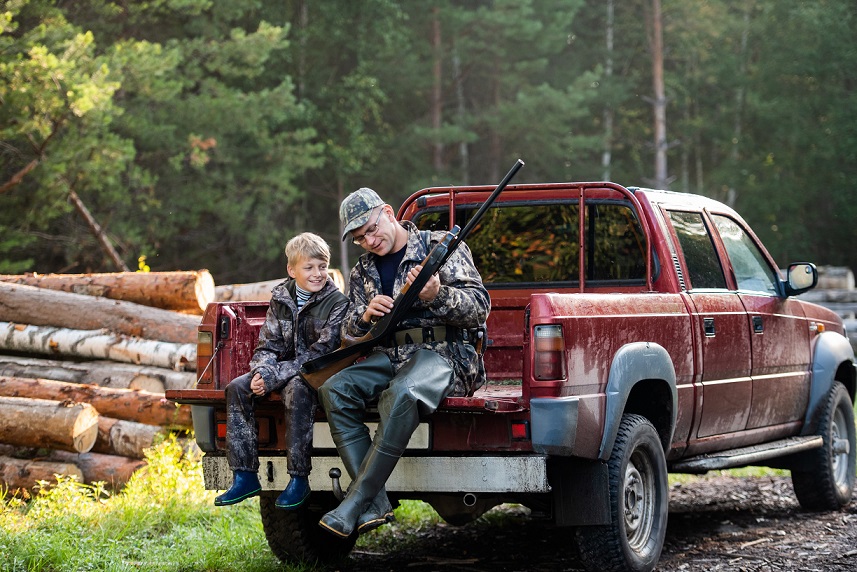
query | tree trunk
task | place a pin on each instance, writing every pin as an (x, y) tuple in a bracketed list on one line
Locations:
[(660, 101), (111, 469), (435, 104), (103, 373), (124, 438), (607, 153), (127, 404), (24, 473), (46, 423), (95, 344), (43, 307), (97, 231), (189, 291)]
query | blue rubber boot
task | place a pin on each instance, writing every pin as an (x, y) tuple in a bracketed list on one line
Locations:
[(297, 491), (245, 484)]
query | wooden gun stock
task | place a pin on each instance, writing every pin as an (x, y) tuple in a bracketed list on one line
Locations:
[(315, 372)]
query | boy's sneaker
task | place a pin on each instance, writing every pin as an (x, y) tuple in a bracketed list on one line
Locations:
[(245, 484), (297, 491)]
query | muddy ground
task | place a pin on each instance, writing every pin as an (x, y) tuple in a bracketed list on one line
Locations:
[(715, 524)]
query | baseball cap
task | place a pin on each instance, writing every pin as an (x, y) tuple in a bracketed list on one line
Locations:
[(355, 209)]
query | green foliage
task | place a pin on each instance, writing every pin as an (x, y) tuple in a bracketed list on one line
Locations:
[(205, 134), (163, 519)]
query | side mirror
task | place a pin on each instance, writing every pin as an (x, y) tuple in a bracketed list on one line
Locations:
[(800, 277)]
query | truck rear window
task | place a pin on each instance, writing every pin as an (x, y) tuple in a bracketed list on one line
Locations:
[(517, 243)]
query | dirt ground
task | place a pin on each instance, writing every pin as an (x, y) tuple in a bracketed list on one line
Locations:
[(715, 524)]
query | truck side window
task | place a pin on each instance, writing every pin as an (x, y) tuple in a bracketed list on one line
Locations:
[(752, 271), (703, 266)]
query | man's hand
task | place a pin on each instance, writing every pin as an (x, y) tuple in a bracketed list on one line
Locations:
[(257, 385), (432, 287), (378, 307)]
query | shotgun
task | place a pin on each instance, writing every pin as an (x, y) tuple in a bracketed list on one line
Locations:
[(315, 372)]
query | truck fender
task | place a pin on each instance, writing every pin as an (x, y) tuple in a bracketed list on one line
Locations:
[(831, 350), (632, 364)]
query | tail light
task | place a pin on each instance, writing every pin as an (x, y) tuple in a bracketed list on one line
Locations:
[(204, 352), (548, 352)]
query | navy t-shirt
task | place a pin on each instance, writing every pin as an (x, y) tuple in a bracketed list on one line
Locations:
[(388, 267)]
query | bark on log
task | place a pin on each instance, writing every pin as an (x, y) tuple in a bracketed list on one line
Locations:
[(124, 438), (43, 307), (46, 423), (46, 340), (114, 470), (24, 473), (261, 291), (181, 290), (103, 373), (255, 291), (127, 404)]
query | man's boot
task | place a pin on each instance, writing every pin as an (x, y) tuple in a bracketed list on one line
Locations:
[(380, 510), (245, 484), (374, 472)]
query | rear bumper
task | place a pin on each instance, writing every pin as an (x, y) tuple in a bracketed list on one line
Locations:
[(512, 474)]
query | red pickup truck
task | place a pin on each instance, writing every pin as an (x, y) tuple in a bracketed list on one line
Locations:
[(632, 333)]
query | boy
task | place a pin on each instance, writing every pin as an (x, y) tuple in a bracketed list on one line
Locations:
[(302, 323)]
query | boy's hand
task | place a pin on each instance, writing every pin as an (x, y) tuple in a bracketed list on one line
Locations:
[(432, 287), (257, 385)]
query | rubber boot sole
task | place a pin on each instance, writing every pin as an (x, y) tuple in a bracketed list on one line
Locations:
[(228, 502), (292, 506)]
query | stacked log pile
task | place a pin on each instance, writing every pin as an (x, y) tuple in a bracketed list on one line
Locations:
[(836, 291), (84, 363)]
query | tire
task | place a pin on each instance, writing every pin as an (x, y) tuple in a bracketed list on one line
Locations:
[(827, 480), (295, 536), (639, 504)]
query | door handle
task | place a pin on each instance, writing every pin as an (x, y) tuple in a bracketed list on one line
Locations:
[(708, 325), (758, 325)]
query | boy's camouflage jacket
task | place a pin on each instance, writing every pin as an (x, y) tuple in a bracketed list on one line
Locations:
[(284, 348), (462, 302)]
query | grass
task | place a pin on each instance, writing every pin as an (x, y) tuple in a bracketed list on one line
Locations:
[(164, 520)]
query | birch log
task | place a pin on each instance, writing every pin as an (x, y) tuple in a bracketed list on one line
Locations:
[(101, 372), (24, 473), (43, 307), (127, 404), (46, 423), (181, 290), (124, 438), (99, 344)]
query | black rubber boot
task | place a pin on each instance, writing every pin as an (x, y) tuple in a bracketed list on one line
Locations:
[(373, 474), (380, 510), (245, 484)]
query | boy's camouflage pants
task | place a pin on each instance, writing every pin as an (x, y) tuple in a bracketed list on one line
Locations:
[(300, 402)]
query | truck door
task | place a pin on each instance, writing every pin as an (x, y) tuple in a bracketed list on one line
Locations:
[(720, 323), (778, 330)]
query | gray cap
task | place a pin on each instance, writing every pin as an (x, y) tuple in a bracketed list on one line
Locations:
[(355, 209)]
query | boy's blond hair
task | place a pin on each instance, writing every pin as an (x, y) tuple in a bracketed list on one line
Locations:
[(307, 245)]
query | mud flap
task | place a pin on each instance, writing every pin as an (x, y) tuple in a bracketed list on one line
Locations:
[(579, 491)]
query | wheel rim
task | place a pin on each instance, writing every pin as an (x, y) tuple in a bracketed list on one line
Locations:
[(840, 449), (639, 501)]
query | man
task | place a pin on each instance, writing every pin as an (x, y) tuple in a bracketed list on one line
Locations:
[(431, 356)]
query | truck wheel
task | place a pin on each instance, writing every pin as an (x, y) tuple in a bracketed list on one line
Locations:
[(639, 503), (827, 481), (295, 536)]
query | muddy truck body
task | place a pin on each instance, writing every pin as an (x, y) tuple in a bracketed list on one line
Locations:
[(632, 333)]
